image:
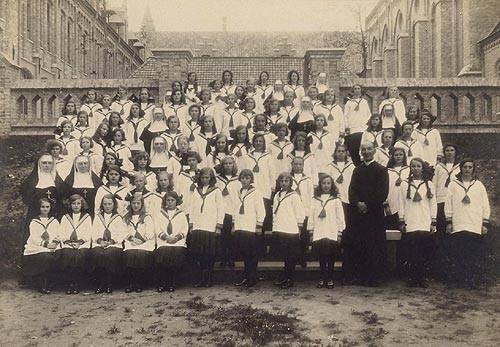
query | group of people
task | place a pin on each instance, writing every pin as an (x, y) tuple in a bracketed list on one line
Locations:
[(127, 186)]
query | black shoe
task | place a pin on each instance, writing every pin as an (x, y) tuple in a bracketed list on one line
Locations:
[(279, 283), (43, 291), (208, 282), (69, 291), (171, 289), (98, 291), (75, 290), (138, 290), (250, 284), (203, 280), (288, 284), (241, 283), (109, 290), (160, 289), (320, 284), (128, 290), (330, 284)]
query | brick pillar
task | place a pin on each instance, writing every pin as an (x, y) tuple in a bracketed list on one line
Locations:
[(369, 71), (421, 50), (404, 55), (377, 67), (173, 65), (323, 60), (443, 57), (390, 62)]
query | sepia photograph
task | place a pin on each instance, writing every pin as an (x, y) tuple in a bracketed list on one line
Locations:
[(250, 173)]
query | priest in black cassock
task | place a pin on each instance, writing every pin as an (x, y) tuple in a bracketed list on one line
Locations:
[(364, 240)]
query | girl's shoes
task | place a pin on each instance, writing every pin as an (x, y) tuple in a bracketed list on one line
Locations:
[(98, 291), (109, 290), (160, 289), (250, 284), (330, 284), (138, 290), (44, 291), (69, 291), (171, 289), (241, 283), (320, 284), (128, 290)]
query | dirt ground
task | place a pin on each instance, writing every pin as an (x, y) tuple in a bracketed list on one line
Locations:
[(225, 316)]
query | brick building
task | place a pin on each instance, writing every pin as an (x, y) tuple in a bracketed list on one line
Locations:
[(61, 39), (490, 49), (430, 38)]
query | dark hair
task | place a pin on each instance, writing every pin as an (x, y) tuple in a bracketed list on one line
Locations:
[(140, 155), (195, 84), (193, 154), (75, 197), (172, 194), (246, 172), (141, 112), (263, 139), (183, 96), (226, 150), (289, 76), (97, 134), (63, 111), (318, 191), (278, 126), (114, 168), (104, 168), (302, 134), (268, 107), (369, 123), (247, 143), (206, 170), (51, 143), (222, 76), (118, 130), (391, 162), (427, 173), (173, 84), (120, 122), (428, 114), (259, 81), (115, 203), (219, 168), (462, 163), (456, 151), (51, 202), (81, 112), (323, 99)]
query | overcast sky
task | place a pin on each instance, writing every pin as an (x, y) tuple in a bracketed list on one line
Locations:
[(249, 15)]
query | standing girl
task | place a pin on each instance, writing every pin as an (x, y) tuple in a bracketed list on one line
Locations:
[(228, 115), (312, 93), (191, 127), (191, 88), (107, 245), (62, 166), (333, 113), (76, 238), (326, 225), (293, 79), (147, 104), (172, 134), (264, 89), (170, 254), (208, 108), (288, 109), (412, 147), (260, 127), (240, 145), (133, 127), (341, 169), (261, 163), (227, 83), (356, 115), (251, 92), (383, 153), (121, 150), (467, 216), (220, 152), (92, 107), (82, 127), (206, 217), (227, 182), (248, 222), (105, 110), (273, 114), (429, 138), (246, 117), (122, 105), (444, 173), (205, 140), (417, 215), (322, 143), (87, 149), (139, 243), (373, 132), (280, 148), (39, 257), (114, 176), (288, 218), (69, 143), (69, 113), (102, 138), (178, 162), (301, 148), (177, 106)]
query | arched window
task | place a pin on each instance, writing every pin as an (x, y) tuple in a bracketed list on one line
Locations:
[(498, 68)]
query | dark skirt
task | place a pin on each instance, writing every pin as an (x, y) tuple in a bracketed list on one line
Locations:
[(203, 243), (137, 259), (109, 259), (246, 244), (170, 256), (73, 258), (392, 222), (286, 245), (39, 263), (324, 248)]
